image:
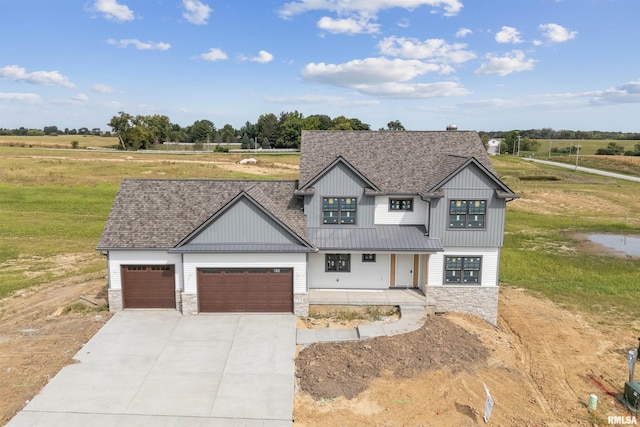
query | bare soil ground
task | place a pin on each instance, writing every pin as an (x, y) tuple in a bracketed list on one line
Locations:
[(38, 338), (540, 364)]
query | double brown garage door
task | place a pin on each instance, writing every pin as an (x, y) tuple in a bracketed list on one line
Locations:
[(245, 290)]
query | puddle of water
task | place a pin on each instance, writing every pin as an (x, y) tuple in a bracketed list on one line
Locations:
[(628, 245)]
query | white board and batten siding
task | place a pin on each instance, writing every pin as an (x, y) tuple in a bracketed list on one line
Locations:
[(384, 216), (118, 258), (488, 272), (363, 275), (245, 260)]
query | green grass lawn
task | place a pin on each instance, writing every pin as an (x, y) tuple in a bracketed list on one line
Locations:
[(54, 203)]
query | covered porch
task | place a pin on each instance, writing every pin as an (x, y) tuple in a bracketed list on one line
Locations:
[(395, 297)]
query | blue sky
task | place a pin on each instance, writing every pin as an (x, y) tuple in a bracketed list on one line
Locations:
[(481, 64)]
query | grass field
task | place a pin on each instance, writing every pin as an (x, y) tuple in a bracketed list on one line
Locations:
[(54, 204), (59, 141)]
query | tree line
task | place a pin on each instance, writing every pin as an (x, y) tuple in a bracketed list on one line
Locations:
[(548, 133), (270, 131)]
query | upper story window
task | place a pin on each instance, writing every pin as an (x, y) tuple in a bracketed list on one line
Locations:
[(400, 204), (339, 210), (462, 270), (467, 213)]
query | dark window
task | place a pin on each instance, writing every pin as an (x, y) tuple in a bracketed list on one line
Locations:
[(462, 270), (467, 213), (338, 262), (400, 204), (339, 210), (368, 257)]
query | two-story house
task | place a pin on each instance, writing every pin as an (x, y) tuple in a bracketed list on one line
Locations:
[(371, 210)]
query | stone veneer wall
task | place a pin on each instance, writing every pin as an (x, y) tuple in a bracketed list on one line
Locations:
[(189, 304), (481, 301), (179, 300), (301, 304), (115, 300)]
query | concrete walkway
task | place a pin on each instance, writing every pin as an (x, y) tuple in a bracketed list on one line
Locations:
[(157, 367), (412, 317)]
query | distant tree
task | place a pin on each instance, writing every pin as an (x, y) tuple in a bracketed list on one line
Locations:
[(159, 126), (634, 152), (228, 133), (264, 143), (245, 142), (290, 125), (612, 149), (395, 125), (50, 130), (268, 127), (96, 131), (121, 125), (321, 121), (249, 129), (84, 131), (511, 142), (202, 131), (341, 123)]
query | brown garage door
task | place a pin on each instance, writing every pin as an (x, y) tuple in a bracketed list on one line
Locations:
[(148, 286), (245, 290)]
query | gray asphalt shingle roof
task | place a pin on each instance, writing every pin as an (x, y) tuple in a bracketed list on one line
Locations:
[(159, 213), (395, 161)]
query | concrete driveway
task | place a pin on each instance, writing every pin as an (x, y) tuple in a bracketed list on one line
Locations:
[(162, 368)]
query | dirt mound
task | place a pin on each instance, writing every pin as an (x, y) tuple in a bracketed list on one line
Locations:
[(540, 364), (345, 369)]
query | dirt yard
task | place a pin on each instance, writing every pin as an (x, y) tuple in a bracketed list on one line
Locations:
[(38, 338), (540, 365)]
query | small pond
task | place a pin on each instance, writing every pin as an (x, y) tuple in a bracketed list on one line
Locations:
[(627, 244)]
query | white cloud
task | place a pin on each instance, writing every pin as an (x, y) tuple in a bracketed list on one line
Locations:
[(15, 73), (263, 57), (382, 77), (512, 62), (348, 26), (367, 71), (463, 32), (214, 54), (104, 89), (508, 35), (366, 7), (114, 11), (81, 98), (555, 33), (196, 12), (430, 49), (27, 98), (140, 45), (321, 100), (627, 93), (415, 90)]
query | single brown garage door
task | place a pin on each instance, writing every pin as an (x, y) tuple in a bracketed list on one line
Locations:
[(148, 286), (245, 290)]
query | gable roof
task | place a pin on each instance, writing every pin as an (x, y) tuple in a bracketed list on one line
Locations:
[(189, 243), (394, 161), (160, 213)]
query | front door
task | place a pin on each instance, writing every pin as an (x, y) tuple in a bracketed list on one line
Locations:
[(404, 270)]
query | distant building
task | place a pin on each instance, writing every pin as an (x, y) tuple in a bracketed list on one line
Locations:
[(493, 147)]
